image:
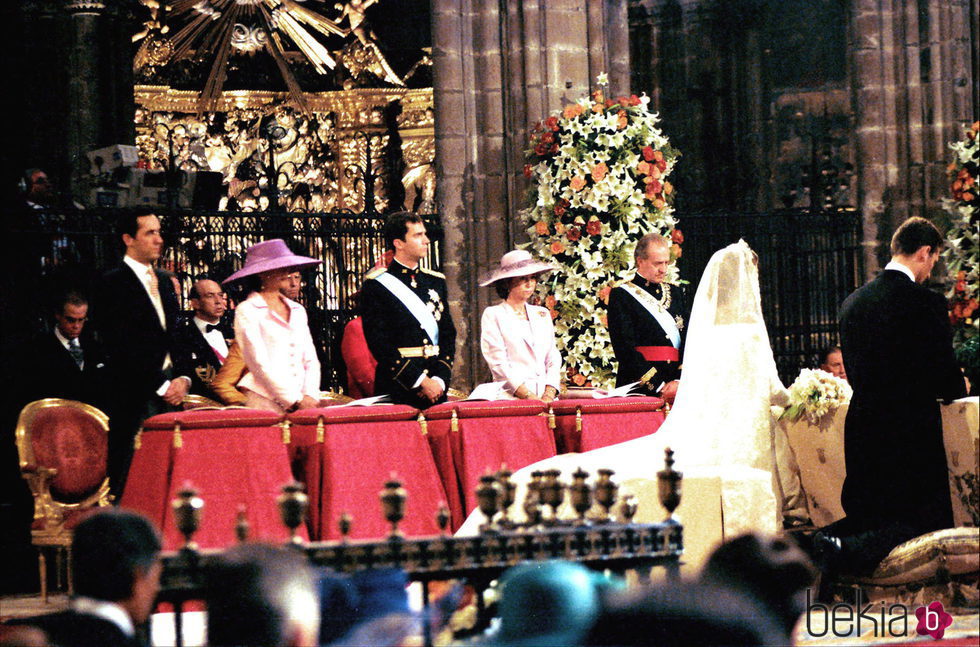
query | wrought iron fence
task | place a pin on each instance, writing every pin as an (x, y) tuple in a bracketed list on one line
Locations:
[(809, 261), (73, 247)]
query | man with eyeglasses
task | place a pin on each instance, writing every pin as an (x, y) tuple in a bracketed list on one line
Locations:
[(204, 336)]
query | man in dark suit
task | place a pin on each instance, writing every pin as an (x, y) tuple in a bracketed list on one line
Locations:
[(647, 322), (136, 311), (67, 362), (116, 575), (204, 336), (406, 319), (897, 345)]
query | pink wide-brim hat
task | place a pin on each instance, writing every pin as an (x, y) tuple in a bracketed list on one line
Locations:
[(270, 255), (516, 263)]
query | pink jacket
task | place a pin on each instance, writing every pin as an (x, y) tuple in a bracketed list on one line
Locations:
[(280, 355), (518, 351)]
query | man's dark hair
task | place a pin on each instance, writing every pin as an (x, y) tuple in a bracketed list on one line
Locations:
[(833, 348), (109, 550), (396, 226), (913, 234), (252, 592), (70, 298), (128, 221)]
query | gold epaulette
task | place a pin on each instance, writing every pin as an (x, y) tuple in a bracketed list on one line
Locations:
[(426, 270), (375, 273)]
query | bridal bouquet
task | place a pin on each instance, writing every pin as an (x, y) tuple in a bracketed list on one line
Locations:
[(814, 393), (598, 172)]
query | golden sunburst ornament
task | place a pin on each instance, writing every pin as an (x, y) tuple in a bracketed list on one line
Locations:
[(213, 30)]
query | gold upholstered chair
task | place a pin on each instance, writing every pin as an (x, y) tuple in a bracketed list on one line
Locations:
[(63, 449)]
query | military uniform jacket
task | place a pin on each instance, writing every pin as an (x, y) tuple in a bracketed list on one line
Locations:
[(203, 359), (389, 325), (632, 325)]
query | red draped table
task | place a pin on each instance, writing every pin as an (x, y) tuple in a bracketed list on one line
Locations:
[(345, 454), (233, 457)]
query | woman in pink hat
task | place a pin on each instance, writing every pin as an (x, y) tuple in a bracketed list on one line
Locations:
[(518, 339), (273, 333)]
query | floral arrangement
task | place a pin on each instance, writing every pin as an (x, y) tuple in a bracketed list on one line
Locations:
[(962, 244), (598, 171), (814, 393)]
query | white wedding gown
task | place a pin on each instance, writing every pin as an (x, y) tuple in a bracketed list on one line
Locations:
[(721, 425)]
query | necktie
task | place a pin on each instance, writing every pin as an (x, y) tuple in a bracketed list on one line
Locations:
[(76, 352), (154, 283)]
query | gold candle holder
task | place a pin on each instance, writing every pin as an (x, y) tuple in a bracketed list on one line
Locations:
[(508, 491), (242, 526), (581, 495), (669, 486), (627, 509), (293, 504), (344, 525), (188, 507), (606, 492), (488, 497), (552, 492), (393, 498)]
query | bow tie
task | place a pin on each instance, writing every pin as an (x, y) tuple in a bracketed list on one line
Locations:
[(209, 327)]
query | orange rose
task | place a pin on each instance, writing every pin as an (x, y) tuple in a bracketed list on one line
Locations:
[(550, 301), (668, 188), (594, 227), (574, 234), (647, 153), (528, 171), (599, 171), (968, 197), (557, 247), (577, 183), (559, 228), (604, 319), (597, 108), (604, 293), (572, 110), (655, 171), (659, 204), (658, 156), (541, 228), (551, 123), (621, 121), (675, 251), (578, 379), (643, 168), (677, 236)]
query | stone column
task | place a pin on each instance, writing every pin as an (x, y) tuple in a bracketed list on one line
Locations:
[(913, 91), (84, 89), (499, 66)]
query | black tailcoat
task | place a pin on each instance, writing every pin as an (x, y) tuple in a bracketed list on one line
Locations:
[(136, 345), (897, 347), (389, 325), (73, 629), (632, 325), (49, 371)]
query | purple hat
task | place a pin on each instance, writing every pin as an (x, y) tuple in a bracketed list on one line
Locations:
[(516, 263), (270, 255)]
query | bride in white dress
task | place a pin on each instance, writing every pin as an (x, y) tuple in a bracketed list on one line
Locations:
[(721, 425)]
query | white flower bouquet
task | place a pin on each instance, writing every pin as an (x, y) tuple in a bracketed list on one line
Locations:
[(815, 393), (598, 172)]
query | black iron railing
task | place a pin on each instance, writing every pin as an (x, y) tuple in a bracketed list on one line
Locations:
[(75, 246), (809, 261)]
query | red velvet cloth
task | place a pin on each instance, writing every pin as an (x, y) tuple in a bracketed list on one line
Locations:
[(362, 447), (233, 457), (359, 360), (75, 444), (514, 433), (605, 421)]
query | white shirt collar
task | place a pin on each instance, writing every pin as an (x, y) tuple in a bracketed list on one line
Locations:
[(107, 611), (895, 265), (202, 324), (64, 340), (136, 266)]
